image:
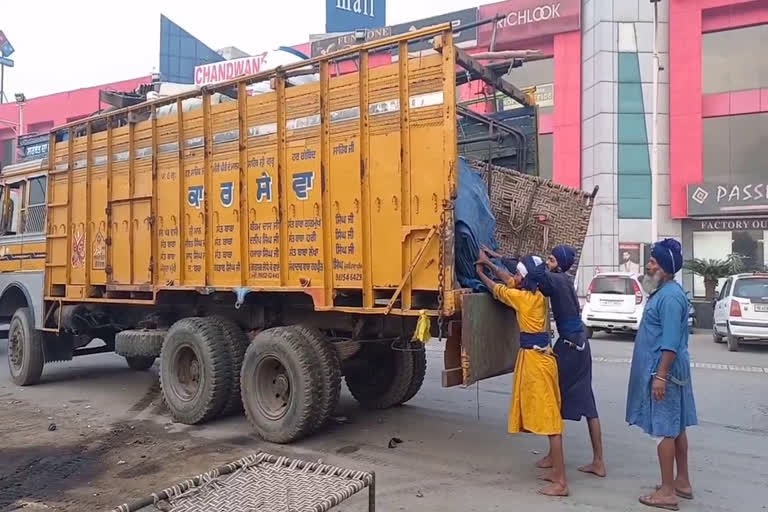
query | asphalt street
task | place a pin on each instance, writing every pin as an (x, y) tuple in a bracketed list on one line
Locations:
[(456, 454)]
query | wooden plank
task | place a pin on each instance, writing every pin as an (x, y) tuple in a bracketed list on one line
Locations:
[(365, 180), (88, 242), (242, 127), (490, 337), (154, 259), (110, 184), (481, 72), (325, 176), (182, 191), (450, 170), (405, 168), (208, 229), (70, 170), (131, 193), (282, 178)]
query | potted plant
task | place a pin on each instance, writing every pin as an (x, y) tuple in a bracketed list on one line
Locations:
[(712, 270)]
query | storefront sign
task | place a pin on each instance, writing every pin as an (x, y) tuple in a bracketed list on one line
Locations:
[(229, 69), (544, 96), (746, 224), (334, 44), (348, 15), (527, 19), (457, 19), (714, 198)]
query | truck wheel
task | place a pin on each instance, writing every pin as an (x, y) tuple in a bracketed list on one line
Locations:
[(237, 342), (330, 368), (419, 372), (381, 378), (25, 349), (140, 363), (140, 342), (281, 385), (195, 373)]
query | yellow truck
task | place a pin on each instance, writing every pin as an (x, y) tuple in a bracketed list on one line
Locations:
[(261, 246)]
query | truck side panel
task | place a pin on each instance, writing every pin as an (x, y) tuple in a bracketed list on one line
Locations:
[(329, 205)]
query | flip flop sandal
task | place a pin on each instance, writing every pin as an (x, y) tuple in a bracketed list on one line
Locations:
[(664, 506), (680, 494)]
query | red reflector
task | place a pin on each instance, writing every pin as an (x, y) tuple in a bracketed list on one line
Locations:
[(735, 308), (638, 292)]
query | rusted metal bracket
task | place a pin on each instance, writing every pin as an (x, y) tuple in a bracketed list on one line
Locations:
[(414, 263), (481, 72)]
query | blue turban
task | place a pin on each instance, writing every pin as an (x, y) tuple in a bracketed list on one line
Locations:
[(669, 255), (532, 270), (565, 256)]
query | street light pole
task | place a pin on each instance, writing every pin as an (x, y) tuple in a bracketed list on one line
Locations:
[(655, 127)]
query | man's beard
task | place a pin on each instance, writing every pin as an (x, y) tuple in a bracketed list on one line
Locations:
[(651, 282)]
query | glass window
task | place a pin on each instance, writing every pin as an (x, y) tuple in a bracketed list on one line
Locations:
[(751, 288), (37, 191), (734, 148), (749, 245), (729, 61), (612, 285)]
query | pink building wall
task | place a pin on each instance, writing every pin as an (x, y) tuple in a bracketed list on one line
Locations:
[(688, 20), (44, 112)]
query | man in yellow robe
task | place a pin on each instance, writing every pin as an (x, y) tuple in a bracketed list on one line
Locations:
[(536, 400)]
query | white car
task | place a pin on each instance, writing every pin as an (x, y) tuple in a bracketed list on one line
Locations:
[(741, 311), (615, 302)]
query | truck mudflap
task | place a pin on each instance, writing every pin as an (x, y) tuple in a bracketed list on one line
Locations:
[(482, 342)]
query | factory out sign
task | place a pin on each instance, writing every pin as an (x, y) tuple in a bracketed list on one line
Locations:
[(216, 72), (527, 19)]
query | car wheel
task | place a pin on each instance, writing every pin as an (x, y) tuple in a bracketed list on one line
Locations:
[(716, 337), (589, 332), (733, 343)]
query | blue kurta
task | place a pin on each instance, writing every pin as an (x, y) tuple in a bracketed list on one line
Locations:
[(664, 327), (574, 357)]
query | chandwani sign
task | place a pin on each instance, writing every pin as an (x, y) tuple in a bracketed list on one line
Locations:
[(717, 198)]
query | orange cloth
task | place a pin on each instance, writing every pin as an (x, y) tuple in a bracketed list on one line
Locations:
[(536, 400)]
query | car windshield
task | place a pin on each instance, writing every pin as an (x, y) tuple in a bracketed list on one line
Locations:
[(614, 285), (751, 288)]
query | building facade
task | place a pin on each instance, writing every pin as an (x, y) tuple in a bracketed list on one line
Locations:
[(39, 115)]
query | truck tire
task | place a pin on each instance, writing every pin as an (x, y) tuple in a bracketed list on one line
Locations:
[(330, 369), (281, 385), (237, 342), (25, 349), (419, 372), (382, 378), (140, 363), (195, 373), (140, 342)]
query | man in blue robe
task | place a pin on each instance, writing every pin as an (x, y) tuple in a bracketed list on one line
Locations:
[(660, 393)]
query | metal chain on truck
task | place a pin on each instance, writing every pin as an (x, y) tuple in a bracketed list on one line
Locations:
[(441, 275)]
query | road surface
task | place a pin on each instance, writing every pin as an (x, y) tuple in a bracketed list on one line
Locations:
[(113, 442)]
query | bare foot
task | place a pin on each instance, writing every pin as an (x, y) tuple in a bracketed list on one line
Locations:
[(657, 500), (547, 477), (596, 468), (544, 463), (554, 489), (682, 490)]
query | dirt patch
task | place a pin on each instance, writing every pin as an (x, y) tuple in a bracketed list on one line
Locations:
[(88, 465)]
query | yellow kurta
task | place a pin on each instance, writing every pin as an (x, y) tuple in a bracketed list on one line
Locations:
[(535, 404)]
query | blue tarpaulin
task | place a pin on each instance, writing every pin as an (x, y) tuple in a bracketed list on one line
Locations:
[(475, 225)]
